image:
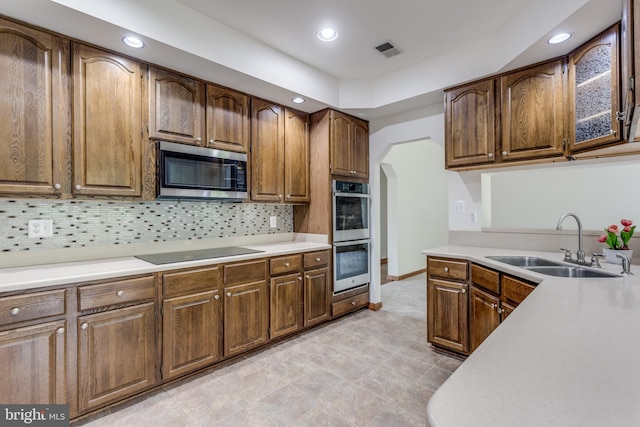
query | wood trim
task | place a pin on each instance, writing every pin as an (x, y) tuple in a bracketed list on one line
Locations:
[(375, 306), (406, 276), (384, 261)]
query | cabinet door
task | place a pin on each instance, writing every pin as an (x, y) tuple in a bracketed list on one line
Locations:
[(267, 151), (33, 364), (594, 92), (227, 119), (246, 317), (286, 305), (176, 107), (484, 316), (533, 112), (316, 296), (470, 124), (116, 354), (340, 141), (359, 154), (191, 334), (107, 113), (448, 315), (35, 111), (296, 156)]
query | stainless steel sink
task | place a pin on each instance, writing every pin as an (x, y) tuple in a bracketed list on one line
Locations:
[(525, 261), (568, 271)]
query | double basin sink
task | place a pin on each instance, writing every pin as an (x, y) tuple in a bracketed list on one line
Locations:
[(551, 268)]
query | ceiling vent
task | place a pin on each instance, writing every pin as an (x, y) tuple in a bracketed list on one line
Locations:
[(389, 49)]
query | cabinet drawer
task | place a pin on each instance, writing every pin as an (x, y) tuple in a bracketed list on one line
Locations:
[(115, 293), (485, 278), (349, 304), (21, 308), (285, 264), (316, 259), (245, 272), (448, 269), (190, 281), (514, 290)]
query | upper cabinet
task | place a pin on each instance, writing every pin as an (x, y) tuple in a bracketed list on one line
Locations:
[(532, 112), (35, 109), (107, 123), (595, 92), (470, 124), (176, 107), (279, 153), (227, 119), (349, 146)]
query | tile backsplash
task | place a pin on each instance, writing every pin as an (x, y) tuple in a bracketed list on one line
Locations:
[(98, 223)]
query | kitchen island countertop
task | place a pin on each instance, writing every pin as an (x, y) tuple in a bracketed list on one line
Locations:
[(569, 355)]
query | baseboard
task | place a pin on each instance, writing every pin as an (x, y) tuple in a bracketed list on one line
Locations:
[(384, 261), (406, 276), (375, 306)]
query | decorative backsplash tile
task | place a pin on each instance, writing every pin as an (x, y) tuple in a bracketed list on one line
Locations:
[(100, 223)]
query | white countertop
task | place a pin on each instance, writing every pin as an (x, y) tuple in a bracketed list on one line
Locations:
[(20, 278), (569, 355)]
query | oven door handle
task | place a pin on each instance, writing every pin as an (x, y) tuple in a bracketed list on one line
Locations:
[(362, 196), (351, 242)]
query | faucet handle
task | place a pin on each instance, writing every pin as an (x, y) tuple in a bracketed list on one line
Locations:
[(567, 254), (626, 264), (594, 260)]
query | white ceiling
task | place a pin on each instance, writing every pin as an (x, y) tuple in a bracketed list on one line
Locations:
[(270, 49)]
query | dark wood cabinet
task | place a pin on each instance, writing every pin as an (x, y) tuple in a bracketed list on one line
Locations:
[(246, 306), (228, 118), (533, 112), (470, 124), (286, 304), (349, 146), (191, 319), (267, 151), (296, 156), (594, 92), (317, 288), (176, 107), (484, 316), (36, 112), (107, 128)]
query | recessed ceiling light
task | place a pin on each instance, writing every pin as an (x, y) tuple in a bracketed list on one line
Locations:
[(298, 100), (559, 38), (328, 34), (133, 42)]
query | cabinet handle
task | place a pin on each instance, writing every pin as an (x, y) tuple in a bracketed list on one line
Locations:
[(57, 186), (446, 269), (84, 326), (317, 259), (229, 294), (463, 290), (15, 311), (78, 187), (490, 155), (504, 153), (216, 297), (120, 293), (60, 330), (353, 303)]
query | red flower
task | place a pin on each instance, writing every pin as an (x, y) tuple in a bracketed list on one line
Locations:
[(602, 238), (612, 228), (627, 229), (626, 222)]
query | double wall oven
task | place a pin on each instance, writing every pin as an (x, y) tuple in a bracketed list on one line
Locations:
[(351, 235)]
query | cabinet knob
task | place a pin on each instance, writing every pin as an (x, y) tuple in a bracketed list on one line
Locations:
[(229, 294), (199, 138), (286, 264), (446, 269), (300, 278), (60, 330), (490, 155), (317, 259), (307, 276), (500, 310), (493, 306), (504, 153), (612, 132), (15, 311), (216, 297), (84, 326), (211, 141), (78, 187), (353, 303), (280, 196), (120, 293), (463, 290), (57, 186)]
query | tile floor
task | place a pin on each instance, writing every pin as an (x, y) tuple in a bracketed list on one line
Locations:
[(366, 369)]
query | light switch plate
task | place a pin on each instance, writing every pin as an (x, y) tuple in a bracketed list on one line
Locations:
[(458, 206), (273, 221), (40, 228)]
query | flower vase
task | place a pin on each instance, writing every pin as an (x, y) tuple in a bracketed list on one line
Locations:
[(610, 255)]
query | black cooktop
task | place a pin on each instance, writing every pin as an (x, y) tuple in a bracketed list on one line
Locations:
[(168, 258)]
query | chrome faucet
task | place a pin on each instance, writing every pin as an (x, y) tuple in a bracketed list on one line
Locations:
[(580, 254), (626, 264)]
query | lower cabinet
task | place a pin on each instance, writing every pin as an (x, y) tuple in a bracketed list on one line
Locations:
[(485, 316), (317, 288), (116, 354), (286, 308), (448, 315)]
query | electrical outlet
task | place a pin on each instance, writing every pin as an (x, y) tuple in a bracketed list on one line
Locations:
[(273, 221), (40, 228), (474, 216)]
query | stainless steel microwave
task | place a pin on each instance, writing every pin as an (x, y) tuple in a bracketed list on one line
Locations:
[(186, 171)]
